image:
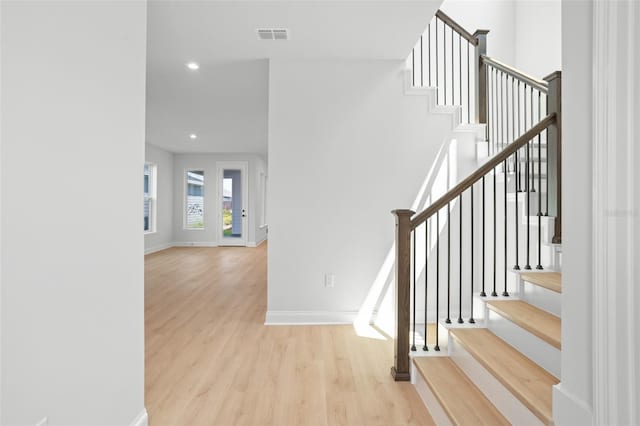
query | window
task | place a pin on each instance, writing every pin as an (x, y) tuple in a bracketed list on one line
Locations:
[(149, 197), (194, 214)]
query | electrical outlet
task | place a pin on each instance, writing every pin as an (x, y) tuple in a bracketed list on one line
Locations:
[(329, 280)]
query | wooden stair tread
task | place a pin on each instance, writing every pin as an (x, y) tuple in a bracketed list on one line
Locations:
[(549, 280), (525, 379), (463, 402), (536, 321)]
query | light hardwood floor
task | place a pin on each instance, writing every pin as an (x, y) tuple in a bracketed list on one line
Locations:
[(210, 360)]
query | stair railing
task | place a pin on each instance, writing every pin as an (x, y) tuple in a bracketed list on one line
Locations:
[(464, 200), (523, 130), (447, 57), (507, 100)]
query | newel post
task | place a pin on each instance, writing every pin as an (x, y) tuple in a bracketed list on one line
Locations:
[(554, 150), (481, 76), (400, 369)]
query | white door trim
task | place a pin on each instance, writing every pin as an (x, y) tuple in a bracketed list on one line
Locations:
[(244, 167)]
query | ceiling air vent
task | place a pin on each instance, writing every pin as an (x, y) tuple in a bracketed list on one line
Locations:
[(273, 33)]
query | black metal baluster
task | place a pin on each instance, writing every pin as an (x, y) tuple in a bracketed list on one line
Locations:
[(437, 62), (460, 72), (426, 281), (501, 112), (453, 72), (421, 63), (505, 293), (415, 284), (533, 171), (489, 112), (502, 136), (444, 62), (448, 320), (514, 128), (518, 177), (513, 111), (516, 174), (471, 320), (468, 88), (517, 226), (437, 347), (502, 143), (509, 138), (495, 111), (528, 209), (495, 239), (525, 149), (484, 214), (487, 82), (413, 67), (539, 265), (429, 52), (460, 320)]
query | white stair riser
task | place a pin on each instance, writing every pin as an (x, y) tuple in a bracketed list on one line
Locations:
[(541, 297), (480, 305), (508, 405), (430, 401), (534, 348)]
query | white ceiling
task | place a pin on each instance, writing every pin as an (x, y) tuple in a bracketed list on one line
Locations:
[(225, 102)]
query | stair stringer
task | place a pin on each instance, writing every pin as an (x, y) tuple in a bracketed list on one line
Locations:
[(457, 127)]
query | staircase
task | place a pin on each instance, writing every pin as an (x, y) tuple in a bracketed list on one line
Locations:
[(507, 364), (478, 272)]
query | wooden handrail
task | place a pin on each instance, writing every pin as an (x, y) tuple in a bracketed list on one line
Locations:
[(541, 85), (482, 171), (457, 27)]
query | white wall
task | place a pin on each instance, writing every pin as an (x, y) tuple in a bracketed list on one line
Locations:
[(538, 37), (73, 118), (346, 147), (207, 162), (163, 236), (497, 16), (523, 33)]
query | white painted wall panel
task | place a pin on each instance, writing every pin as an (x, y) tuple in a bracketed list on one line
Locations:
[(346, 147), (73, 123)]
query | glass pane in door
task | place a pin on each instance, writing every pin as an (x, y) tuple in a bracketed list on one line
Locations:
[(232, 209)]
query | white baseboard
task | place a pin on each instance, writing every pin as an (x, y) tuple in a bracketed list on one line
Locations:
[(196, 244), (568, 410), (254, 244), (158, 248), (141, 419), (310, 317)]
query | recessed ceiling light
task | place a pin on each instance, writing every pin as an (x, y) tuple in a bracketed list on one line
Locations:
[(193, 65), (193, 136)]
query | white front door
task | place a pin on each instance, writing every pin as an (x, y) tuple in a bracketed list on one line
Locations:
[(233, 195)]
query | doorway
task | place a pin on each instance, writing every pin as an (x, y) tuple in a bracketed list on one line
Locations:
[(233, 203)]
